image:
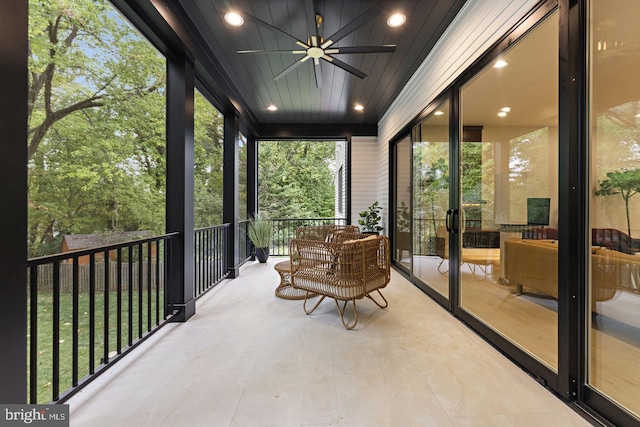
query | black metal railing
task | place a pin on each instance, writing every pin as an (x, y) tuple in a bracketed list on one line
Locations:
[(88, 308), (285, 229), (425, 233), (210, 266)]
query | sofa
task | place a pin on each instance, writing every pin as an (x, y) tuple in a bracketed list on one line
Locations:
[(532, 265)]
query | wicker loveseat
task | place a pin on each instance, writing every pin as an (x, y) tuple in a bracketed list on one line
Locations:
[(327, 232), (343, 270)]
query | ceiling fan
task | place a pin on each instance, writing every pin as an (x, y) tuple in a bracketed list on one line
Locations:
[(317, 48)]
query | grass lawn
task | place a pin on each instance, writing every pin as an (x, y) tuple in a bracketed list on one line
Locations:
[(46, 325)]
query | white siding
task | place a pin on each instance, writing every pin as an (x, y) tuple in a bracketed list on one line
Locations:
[(364, 174), (477, 26)]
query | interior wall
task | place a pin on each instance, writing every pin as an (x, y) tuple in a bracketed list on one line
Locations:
[(477, 26)]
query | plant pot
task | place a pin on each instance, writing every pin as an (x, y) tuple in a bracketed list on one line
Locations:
[(262, 254), (432, 246), (370, 232)]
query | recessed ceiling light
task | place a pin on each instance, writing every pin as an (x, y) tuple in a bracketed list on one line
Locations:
[(234, 19), (438, 113), (396, 20), (358, 107), (500, 63), (502, 114), (505, 109), (272, 107)]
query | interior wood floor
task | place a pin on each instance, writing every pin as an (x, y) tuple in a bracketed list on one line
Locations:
[(530, 321)]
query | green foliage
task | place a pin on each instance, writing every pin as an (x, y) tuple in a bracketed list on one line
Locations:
[(260, 231), (208, 158), (434, 180), (96, 140), (626, 183), (370, 218), (296, 179), (403, 218)]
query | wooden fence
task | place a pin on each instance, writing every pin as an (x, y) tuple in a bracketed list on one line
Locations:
[(131, 276)]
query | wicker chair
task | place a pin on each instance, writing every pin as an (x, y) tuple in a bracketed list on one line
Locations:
[(326, 232), (345, 271)]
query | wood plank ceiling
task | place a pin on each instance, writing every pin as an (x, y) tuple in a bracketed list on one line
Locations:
[(298, 99)]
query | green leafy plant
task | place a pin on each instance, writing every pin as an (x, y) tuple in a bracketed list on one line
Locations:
[(370, 218), (260, 231), (626, 183), (403, 219), (435, 180)]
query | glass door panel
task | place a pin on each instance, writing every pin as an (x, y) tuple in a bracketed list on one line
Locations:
[(614, 331), (431, 199), (402, 184), (509, 194)]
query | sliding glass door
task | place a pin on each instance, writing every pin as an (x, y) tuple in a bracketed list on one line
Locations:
[(402, 191), (431, 199), (508, 277), (614, 232)]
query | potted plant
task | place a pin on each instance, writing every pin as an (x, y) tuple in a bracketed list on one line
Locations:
[(403, 225), (260, 233), (370, 219)]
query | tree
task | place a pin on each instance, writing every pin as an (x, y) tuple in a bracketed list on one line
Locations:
[(434, 181), (626, 183), (296, 179), (208, 158), (96, 142)]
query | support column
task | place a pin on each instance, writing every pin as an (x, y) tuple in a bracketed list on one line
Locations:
[(14, 22), (180, 80), (252, 179), (230, 192)]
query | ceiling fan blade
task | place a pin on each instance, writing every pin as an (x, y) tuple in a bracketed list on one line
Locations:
[(318, 72), (310, 9), (270, 27), (353, 25), (295, 52), (290, 68), (390, 48), (344, 66)]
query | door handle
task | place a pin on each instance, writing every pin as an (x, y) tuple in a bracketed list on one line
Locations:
[(453, 214), (447, 219)]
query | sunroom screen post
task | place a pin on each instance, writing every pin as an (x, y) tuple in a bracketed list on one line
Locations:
[(14, 23), (180, 80), (230, 193)]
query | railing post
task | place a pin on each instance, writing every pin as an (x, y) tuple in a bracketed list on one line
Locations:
[(180, 79), (14, 23), (231, 181)]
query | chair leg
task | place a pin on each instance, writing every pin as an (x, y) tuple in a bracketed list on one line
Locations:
[(386, 304), (304, 304), (440, 265), (342, 310), (473, 267)]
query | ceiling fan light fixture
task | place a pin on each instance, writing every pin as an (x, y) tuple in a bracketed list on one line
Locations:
[(234, 18), (358, 107), (396, 20)]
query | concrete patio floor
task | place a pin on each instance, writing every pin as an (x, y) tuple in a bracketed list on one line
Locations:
[(248, 358)]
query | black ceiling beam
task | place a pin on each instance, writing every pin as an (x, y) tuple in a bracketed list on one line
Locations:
[(316, 130)]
